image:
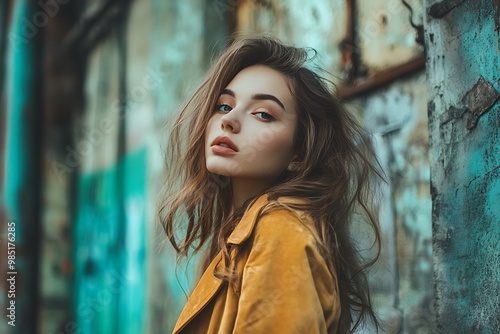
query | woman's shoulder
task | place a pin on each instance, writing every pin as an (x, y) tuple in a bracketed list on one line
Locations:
[(281, 218), (285, 218)]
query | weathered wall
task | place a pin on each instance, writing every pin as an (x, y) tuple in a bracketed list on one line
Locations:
[(402, 280), (38, 75), (319, 24), (126, 276), (464, 121), (146, 69), (385, 35), (397, 116)]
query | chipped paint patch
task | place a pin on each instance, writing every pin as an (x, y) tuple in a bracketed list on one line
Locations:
[(476, 102), (479, 99), (440, 9)]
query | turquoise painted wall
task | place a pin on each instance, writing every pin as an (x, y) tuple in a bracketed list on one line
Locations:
[(181, 39), (21, 189), (125, 275), (127, 279), (110, 248), (464, 120)]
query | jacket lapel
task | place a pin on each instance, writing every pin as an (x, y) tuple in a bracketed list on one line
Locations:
[(244, 229), (204, 291), (209, 285)]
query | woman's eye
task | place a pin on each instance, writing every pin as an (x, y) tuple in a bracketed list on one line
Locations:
[(264, 115), (224, 107)]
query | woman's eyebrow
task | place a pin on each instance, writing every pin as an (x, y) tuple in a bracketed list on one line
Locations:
[(268, 97), (228, 92), (257, 97)]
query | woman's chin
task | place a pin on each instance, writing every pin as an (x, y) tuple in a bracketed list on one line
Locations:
[(218, 172), (224, 169)]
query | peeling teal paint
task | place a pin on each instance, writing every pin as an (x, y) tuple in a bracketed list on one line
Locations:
[(110, 253), (465, 169)]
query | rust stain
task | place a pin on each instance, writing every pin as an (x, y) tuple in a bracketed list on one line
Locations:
[(348, 46), (440, 9), (381, 78), (481, 97), (476, 101)]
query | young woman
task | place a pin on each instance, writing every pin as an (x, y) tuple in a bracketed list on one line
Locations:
[(269, 170)]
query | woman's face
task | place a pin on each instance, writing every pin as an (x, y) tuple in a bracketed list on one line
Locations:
[(250, 135)]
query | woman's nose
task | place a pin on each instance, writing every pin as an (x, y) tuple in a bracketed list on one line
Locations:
[(230, 123)]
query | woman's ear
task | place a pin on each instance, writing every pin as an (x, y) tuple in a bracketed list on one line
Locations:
[(294, 166)]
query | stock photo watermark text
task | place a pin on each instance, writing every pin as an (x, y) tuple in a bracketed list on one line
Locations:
[(11, 273)]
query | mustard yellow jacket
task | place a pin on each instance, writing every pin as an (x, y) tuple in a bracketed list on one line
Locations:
[(283, 285)]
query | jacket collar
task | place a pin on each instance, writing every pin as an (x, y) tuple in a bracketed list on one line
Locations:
[(204, 291), (244, 229), (209, 285)]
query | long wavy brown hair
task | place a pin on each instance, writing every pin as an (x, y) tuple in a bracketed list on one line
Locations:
[(336, 172)]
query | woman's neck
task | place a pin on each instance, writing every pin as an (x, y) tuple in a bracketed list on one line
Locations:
[(243, 189)]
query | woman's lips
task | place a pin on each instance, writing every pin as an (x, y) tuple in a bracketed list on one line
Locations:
[(223, 145), (222, 150)]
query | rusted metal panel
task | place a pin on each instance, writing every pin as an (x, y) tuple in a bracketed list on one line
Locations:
[(385, 35), (357, 78), (382, 78)]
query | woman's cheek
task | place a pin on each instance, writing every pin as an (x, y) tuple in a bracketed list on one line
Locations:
[(250, 154), (279, 150)]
